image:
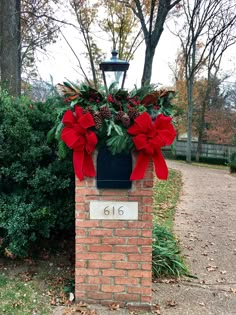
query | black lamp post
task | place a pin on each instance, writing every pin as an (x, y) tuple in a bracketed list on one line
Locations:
[(114, 71)]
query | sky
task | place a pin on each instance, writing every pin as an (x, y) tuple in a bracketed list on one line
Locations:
[(60, 62)]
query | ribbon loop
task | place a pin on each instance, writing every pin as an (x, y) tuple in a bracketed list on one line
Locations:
[(148, 139), (83, 141)]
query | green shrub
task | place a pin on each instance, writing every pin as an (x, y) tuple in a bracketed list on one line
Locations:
[(37, 188), (166, 258)]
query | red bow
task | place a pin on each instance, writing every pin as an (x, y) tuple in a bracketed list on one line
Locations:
[(83, 141), (148, 139)]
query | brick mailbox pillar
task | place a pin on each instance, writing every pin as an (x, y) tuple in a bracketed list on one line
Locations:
[(113, 247)]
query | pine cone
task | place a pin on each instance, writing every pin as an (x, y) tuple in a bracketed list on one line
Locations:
[(125, 120), (105, 112), (133, 113), (119, 115), (88, 109), (97, 120)]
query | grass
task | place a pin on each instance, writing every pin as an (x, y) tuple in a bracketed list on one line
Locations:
[(166, 256), (34, 287), (166, 196)]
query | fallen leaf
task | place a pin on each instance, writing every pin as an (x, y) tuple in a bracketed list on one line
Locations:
[(211, 268), (233, 290), (171, 303), (114, 307), (71, 297)]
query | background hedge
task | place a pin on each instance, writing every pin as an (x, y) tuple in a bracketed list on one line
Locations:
[(36, 186)]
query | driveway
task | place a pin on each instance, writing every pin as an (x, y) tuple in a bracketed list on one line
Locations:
[(205, 224)]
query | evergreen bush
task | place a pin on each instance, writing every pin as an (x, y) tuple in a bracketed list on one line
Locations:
[(36, 187)]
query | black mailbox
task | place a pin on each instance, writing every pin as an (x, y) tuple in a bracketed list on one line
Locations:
[(113, 171)]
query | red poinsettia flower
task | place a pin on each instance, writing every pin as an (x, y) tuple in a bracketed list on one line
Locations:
[(148, 138), (77, 136)]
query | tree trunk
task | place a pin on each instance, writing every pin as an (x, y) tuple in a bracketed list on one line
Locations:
[(10, 63), (190, 118), (147, 70), (201, 131)]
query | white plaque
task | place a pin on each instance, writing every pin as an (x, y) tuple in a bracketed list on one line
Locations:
[(113, 210)]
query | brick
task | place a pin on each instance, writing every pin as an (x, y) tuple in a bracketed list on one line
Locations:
[(87, 240), (79, 198), (147, 183), (140, 225), (79, 206), (79, 295), (147, 200), (99, 264), (140, 290), (80, 279), (139, 257), (147, 209), (80, 216), (113, 256), (146, 299), (109, 192), (81, 232), (126, 265), (139, 241), (146, 266), (126, 297), (88, 224), (80, 248), (102, 232), (99, 280), (146, 282), (99, 295), (100, 248), (90, 191), (89, 287), (146, 249), (114, 240), (80, 264), (114, 224), (126, 249), (147, 233), (146, 217), (112, 288), (139, 274), (86, 272), (127, 232), (129, 281), (84, 256), (113, 273), (142, 192), (135, 198)]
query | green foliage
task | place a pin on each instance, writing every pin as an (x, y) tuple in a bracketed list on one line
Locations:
[(37, 188), (114, 113), (166, 258)]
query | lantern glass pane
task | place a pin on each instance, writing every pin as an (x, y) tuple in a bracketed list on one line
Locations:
[(114, 77)]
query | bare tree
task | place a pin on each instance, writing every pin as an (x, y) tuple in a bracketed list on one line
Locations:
[(204, 34), (152, 16)]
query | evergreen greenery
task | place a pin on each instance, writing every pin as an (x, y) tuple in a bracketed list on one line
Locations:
[(36, 187), (115, 112)]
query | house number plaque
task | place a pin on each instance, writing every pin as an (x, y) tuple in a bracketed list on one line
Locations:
[(113, 210)]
